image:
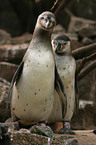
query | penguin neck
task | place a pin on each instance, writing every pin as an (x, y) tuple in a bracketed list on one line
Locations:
[(41, 35), (63, 54)]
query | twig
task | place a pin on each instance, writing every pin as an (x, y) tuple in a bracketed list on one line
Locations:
[(84, 60), (84, 51), (87, 69), (54, 5), (62, 5)]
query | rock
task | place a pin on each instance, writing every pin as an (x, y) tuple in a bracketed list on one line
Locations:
[(66, 140), (4, 102), (83, 103), (84, 27), (87, 41), (7, 70), (87, 86), (5, 37), (85, 118), (25, 38), (72, 36), (63, 17), (10, 134), (27, 138), (87, 31), (9, 126), (12, 53), (58, 29), (23, 130), (42, 130), (76, 44)]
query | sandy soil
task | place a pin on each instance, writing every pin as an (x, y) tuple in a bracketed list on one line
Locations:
[(85, 137)]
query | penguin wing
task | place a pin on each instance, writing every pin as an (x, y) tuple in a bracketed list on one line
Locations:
[(60, 90), (16, 76), (76, 95)]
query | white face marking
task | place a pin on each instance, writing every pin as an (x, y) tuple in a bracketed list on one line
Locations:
[(61, 46), (47, 22)]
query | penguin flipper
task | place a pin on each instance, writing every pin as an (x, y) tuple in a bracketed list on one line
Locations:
[(60, 90), (76, 95), (16, 76)]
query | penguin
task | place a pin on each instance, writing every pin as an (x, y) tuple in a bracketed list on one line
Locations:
[(66, 66), (36, 78)]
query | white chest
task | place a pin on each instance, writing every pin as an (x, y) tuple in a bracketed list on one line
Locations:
[(66, 68), (34, 92)]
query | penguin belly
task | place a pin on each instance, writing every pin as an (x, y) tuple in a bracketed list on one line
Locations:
[(56, 114), (32, 97), (66, 66)]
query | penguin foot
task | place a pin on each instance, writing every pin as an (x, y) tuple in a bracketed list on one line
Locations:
[(65, 131), (41, 123)]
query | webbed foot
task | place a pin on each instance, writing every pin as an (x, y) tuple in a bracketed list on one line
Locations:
[(66, 129)]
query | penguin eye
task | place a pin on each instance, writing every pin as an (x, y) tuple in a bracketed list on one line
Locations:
[(65, 43), (42, 18), (51, 24), (62, 46), (54, 44)]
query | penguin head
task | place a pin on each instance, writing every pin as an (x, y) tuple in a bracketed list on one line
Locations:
[(47, 20), (61, 44)]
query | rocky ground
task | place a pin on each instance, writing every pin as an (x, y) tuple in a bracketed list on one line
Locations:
[(85, 137)]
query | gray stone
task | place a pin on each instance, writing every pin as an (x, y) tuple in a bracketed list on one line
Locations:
[(5, 37), (28, 138), (76, 44), (58, 29), (4, 101), (12, 53), (25, 38), (84, 27), (42, 130), (87, 41), (9, 126), (72, 36), (85, 118)]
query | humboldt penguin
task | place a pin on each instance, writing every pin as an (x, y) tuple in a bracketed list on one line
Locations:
[(36, 77), (66, 66)]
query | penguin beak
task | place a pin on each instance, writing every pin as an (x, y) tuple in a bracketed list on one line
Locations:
[(57, 48), (47, 24)]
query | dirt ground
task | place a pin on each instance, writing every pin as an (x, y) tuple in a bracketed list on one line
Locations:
[(85, 137)]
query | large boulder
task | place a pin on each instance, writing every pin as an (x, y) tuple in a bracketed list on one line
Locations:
[(5, 37), (4, 100), (12, 53), (83, 27)]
